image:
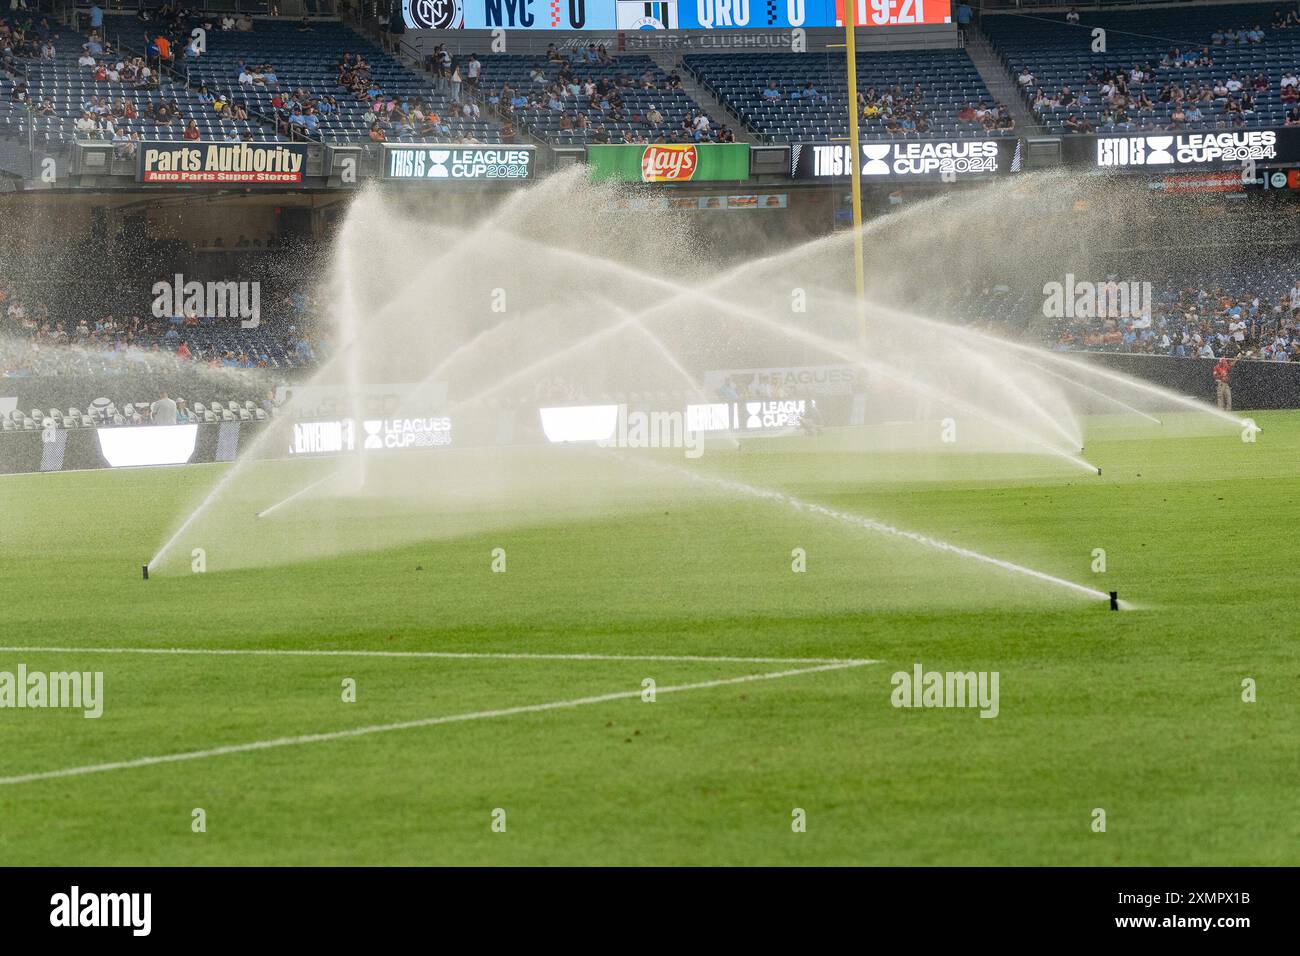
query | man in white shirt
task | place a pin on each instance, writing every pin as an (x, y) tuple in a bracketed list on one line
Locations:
[(163, 411)]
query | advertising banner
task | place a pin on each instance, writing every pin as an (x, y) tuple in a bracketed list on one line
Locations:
[(769, 415), (814, 380), (1168, 151), (460, 163), (669, 163), (374, 434), (659, 202), (563, 15), (317, 403), (912, 159), (221, 163)]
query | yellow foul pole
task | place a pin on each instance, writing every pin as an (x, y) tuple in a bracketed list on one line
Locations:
[(855, 161)]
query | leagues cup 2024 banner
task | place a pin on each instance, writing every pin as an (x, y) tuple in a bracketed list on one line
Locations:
[(1164, 152), (609, 15), (908, 159), (221, 163), (669, 163)]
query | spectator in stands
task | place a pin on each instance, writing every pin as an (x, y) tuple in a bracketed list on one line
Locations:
[(163, 411), (1072, 17), (771, 93), (1073, 124)]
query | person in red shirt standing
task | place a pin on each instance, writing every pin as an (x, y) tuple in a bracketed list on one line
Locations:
[(1223, 390)]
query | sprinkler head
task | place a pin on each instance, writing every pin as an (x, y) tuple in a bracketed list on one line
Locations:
[(145, 570), (1099, 471), (1114, 600)]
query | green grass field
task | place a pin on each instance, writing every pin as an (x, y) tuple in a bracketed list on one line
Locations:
[(1139, 713)]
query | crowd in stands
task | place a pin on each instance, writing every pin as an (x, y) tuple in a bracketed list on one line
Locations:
[(1236, 313), (1198, 322), (411, 116), (589, 96), (802, 98), (1163, 71), (318, 80), (37, 339)]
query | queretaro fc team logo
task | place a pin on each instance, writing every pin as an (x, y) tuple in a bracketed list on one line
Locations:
[(434, 14)]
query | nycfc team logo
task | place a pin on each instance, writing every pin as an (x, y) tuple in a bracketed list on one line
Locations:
[(433, 14)]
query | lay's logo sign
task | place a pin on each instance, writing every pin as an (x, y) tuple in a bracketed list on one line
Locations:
[(669, 164)]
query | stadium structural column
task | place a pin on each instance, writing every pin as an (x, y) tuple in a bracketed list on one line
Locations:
[(855, 162)]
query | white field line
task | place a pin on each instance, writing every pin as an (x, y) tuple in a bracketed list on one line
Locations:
[(440, 655), (871, 524), (410, 725)]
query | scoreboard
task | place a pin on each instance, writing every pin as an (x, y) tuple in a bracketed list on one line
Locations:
[(609, 15)]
